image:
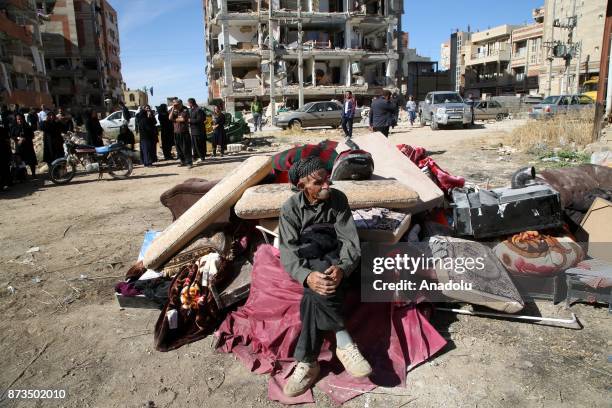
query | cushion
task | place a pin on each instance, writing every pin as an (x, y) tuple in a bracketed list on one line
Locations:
[(532, 253), (491, 286), (182, 196), (208, 209), (390, 163), (266, 200), (574, 182)]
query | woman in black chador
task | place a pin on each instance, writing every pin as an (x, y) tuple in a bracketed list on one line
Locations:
[(22, 134)]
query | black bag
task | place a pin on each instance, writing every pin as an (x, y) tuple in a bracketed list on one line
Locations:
[(503, 211), (353, 165)]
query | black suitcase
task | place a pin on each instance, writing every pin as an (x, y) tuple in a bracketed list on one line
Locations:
[(503, 211)]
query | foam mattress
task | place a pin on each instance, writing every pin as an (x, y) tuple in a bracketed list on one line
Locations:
[(266, 200), (206, 210), (390, 163)]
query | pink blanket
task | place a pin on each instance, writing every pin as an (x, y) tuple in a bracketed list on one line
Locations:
[(263, 334)]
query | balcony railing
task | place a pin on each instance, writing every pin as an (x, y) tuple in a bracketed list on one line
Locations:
[(503, 52)]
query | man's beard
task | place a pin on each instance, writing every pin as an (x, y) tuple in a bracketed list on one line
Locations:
[(323, 194)]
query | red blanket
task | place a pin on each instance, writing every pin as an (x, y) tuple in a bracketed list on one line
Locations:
[(263, 334)]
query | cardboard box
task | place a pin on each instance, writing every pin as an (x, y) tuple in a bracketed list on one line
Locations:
[(597, 223)]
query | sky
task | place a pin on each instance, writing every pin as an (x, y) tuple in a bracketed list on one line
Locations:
[(162, 41)]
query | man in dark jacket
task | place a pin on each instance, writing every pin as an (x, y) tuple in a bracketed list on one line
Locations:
[(197, 123), (321, 262), (382, 113), (179, 116)]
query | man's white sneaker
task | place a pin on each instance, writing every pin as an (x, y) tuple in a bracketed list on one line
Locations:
[(303, 377), (352, 360)]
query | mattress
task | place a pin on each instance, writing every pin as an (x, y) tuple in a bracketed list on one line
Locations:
[(206, 210), (390, 163), (266, 200)]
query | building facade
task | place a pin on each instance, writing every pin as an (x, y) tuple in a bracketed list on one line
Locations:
[(81, 39), (527, 55), (134, 98), (445, 55), (23, 77), (459, 44), (560, 75), (344, 45)]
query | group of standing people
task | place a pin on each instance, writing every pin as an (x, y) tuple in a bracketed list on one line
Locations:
[(189, 128), (17, 152), (183, 127)]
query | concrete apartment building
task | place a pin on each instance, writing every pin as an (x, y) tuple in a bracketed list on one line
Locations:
[(555, 75), (344, 45), (527, 56), (23, 78), (488, 60), (81, 39)]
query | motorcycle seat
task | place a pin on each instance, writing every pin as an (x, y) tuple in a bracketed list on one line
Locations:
[(85, 148)]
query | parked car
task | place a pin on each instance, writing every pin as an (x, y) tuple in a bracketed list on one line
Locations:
[(113, 122), (324, 113), (444, 108), (560, 104), (484, 110)]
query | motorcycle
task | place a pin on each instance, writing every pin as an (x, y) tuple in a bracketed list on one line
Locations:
[(110, 158)]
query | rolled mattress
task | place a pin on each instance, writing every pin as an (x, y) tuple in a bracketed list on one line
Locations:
[(266, 200), (206, 210)]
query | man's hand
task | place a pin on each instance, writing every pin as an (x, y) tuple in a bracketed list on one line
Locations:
[(321, 283), (335, 273), (371, 129)]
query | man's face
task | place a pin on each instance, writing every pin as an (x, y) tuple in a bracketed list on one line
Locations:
[(316, 186), (176, 104), (347, 95)]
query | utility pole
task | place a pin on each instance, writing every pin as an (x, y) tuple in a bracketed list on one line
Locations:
[(271, 65), (300, 59), (579, 49)]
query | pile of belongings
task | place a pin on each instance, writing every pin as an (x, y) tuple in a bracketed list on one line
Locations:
[(221, 274)]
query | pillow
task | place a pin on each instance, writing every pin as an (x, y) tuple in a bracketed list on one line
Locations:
[(534, 254), (491, 286), (266, 200), (208, 209)]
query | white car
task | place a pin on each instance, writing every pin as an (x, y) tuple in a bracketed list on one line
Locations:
[(113, 122)]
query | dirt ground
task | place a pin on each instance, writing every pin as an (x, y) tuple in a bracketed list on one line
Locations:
[(64, 247)]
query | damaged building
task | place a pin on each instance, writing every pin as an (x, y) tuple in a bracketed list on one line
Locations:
[(330, 46), (81, 39), (23, 78)]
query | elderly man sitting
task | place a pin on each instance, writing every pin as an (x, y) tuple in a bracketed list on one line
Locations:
[(319, 247)]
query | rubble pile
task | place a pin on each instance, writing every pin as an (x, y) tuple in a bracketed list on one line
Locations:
[(539, 238)]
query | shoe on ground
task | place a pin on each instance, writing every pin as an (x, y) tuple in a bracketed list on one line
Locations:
[(181, 165), (352, 360), (190, 166), (199, 161), (303, 377)]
